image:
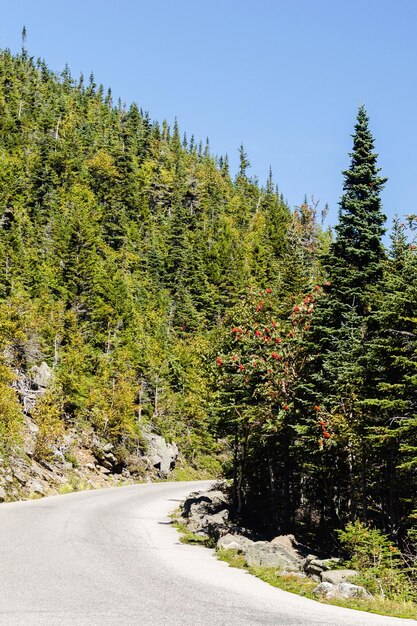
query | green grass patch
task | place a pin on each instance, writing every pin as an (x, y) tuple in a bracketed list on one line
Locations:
[(186, 536)]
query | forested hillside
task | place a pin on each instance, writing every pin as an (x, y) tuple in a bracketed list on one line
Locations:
[(167, 295), (122, 245)]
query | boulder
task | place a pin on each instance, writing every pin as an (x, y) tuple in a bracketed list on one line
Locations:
[(205, 503), (214, 524), (3, 494), (347, 590), (217, 525), (41, 376), (234, 542), (267, 554), (338, 576), (20, 476), (313, 570), (314, 566), (290, 544), (328, 590), (109, 456), (35, 486), (162, 455), (342, 590)]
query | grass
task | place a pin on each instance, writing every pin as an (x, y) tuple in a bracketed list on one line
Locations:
[(186, 536)]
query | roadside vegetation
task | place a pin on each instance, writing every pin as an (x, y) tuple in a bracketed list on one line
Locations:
[(393, 604)]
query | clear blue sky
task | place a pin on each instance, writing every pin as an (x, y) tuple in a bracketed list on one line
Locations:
[(285, 77)]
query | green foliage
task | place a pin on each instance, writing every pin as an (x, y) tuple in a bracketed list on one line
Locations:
[(10, 412), (120, 251), (378, 560), (47, 414)]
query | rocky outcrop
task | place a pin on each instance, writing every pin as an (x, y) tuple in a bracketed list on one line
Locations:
[(314, 567), (33, 384), (160, 454), (209, 513), (40, 376), (77, 459), (81, 460)]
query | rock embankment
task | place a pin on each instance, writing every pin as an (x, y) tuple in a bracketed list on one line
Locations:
[(209, 513), (81, 461), (76, 459)]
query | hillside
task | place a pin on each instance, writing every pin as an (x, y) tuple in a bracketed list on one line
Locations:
[(122, 245)]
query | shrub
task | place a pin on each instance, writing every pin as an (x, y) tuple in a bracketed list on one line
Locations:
[(378, 560)]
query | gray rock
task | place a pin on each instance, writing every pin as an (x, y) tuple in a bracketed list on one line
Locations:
[(342, 590), (347, 590), (313, 566), (162, 455), (41, 376), (205, 503), (90, 466), (108, 447), (234, 542), (20, 476), (267, 554), (217, 524), (8, 478), (3, 494), (291, 546), (328, 590), (313, 570), (338, 576), (214, 525), (35, 486)]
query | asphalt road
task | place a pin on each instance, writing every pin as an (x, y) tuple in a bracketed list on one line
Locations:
[(111, 557)]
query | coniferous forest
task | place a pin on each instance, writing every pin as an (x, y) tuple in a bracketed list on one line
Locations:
[(169, 295)]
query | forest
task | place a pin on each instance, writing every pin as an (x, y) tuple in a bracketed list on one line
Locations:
[(169, 295)]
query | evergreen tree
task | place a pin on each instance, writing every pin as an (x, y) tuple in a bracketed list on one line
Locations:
[(339, 374)]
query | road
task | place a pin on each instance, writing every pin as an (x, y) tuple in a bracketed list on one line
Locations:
[(111, 557)]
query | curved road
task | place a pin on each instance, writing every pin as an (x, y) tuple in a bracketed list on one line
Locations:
[(111, 557)]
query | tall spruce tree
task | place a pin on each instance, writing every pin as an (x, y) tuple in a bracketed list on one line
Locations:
[(354, 261), (338, 382)]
